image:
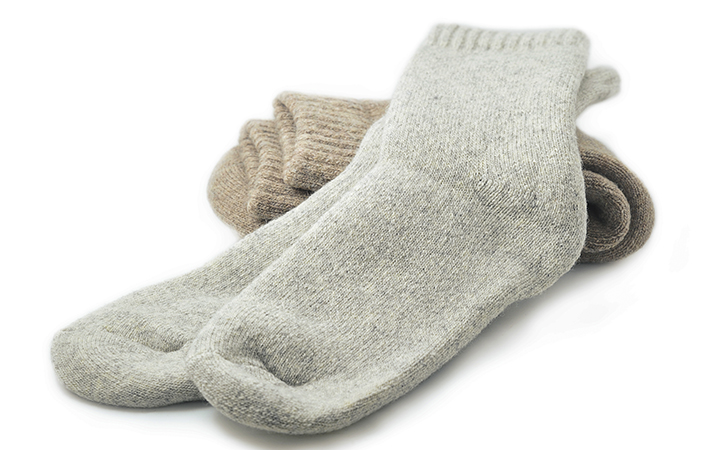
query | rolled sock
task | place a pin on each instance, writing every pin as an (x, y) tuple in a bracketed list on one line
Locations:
[(130, 352), (621, 214), (477, 201)]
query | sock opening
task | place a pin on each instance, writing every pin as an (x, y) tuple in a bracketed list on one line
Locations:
[(608, 211)]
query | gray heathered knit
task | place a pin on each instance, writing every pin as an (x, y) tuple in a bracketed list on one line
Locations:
[(130, 352), (477, 201), (108, 357)]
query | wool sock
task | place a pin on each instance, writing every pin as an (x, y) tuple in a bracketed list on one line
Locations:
[(122, 371), (322, 134), (130, 352), (477, 201)]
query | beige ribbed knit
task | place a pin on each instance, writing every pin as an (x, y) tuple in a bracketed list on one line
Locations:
[(231, 184), (258, 191), (320, 135), (278, 163)]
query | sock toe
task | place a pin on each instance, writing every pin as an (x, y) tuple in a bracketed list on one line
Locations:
[(112, 369), (269, 372), (252, 395), (130, 353)]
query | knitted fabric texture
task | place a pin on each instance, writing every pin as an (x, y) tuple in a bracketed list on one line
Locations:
[(477, 200), (620, 210), (130, 352), (311, 141), (330, 130), (314, 158), (257, 162)]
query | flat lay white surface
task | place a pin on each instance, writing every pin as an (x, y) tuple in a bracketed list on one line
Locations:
[(112, 117)]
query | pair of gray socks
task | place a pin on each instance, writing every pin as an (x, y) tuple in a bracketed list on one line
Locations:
[(466, 196)]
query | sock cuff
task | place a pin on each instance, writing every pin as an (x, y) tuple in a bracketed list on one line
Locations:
[(320, 135), (269, 197), (465, 38)]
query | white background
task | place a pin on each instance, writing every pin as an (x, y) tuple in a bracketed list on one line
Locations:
[(112, 117)]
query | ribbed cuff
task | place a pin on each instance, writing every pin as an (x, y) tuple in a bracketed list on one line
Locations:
[(464, 38), (230, 184), (320, 135), (269, 197)]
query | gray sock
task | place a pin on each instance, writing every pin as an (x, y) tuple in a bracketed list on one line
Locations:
[(130, 353), (477, 201)]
